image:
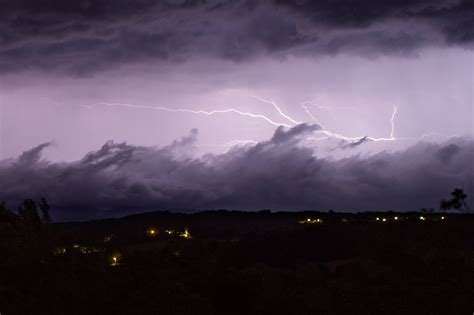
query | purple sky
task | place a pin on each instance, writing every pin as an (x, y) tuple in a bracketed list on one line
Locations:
[(62, 62)]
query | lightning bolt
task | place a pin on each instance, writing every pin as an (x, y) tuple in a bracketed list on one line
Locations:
[(394, 113), (331, 134), (355, 139), (292, 122), (308, 112), (327, 108), (203, 112), (279, 110)]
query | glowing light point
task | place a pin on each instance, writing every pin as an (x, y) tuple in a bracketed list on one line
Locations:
[(442, 218), (378, 219), (396, 218), (115, 260), (384, 220), (151, 232), (185, 234), (422, 218), (310, 221), (59, 251)]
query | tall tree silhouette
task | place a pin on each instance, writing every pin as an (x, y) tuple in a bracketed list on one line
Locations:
[(44, 207), (4, 212), (6, 215), (457, 201), (29, 212)]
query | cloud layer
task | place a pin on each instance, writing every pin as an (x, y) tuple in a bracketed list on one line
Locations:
[(280, 174), (83, 37)]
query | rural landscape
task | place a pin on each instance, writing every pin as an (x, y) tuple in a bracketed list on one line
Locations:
[(233, 262), (236, 157)]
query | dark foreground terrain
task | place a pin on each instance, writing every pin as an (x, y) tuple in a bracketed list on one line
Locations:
[(221, 262)]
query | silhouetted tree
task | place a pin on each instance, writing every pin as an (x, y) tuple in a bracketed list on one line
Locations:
[(9, 217), (30, 218), (44, 206), (3, 212), (457, 201)]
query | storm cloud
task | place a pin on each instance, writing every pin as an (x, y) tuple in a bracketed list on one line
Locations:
[(83, 37), (279, 173)]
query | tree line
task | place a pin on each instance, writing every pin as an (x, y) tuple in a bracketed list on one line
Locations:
[(30, 219)]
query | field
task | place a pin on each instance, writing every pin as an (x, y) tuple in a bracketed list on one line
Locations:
[(228, 262)]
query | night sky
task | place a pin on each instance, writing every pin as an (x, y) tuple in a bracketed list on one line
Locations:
[(122, 106)]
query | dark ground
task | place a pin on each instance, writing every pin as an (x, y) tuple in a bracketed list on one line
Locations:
[(242, 263)]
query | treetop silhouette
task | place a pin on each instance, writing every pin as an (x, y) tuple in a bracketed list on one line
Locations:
[(457, 201)]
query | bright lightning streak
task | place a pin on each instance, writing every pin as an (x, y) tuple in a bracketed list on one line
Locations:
[(328, 134), (279, 110), (395, 109), (331, 134), (311, 115), (327, 108), (209, 113)]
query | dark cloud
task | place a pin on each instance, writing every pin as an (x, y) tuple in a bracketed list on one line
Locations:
[(348, 145), (85, 36), (279, 173), (282, 136), (362, 13), (448, 152), (33, 155)]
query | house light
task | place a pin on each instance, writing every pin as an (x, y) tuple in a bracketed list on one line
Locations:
[(185, 234), (115, 259), (151, 232)]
